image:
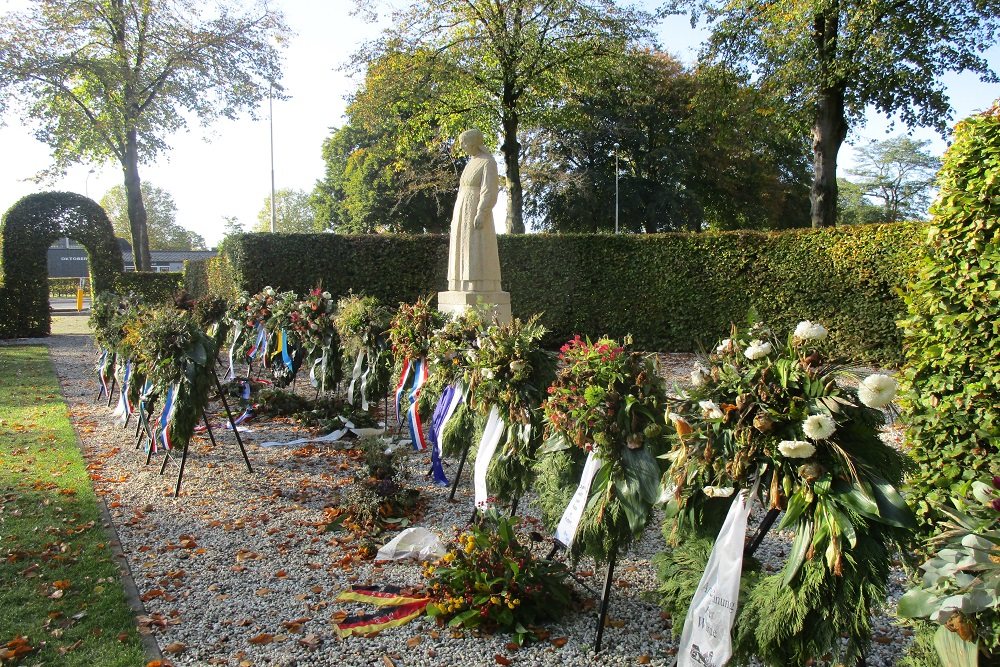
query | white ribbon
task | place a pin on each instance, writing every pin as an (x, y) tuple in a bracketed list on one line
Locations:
[(237, 330), (707, 635), (355, 374), (570, 521), (487, 447)]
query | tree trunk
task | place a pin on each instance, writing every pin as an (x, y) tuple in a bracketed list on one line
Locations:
[(136, 208), (512, 159), (829, 131), (830, 124)]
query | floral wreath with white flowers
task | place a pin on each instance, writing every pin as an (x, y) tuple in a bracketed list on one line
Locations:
[(761, 410)]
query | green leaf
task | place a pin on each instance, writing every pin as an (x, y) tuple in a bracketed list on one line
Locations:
[(796, 506), (641, 469), (854, 496), (555, 443), (800, 547), (917, 603), (892, 509), (953, 650)]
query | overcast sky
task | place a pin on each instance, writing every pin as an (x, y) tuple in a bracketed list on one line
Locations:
[(224, 170)]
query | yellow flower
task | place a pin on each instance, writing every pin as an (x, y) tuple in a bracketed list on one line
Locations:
[(495, 600), (450, 556)]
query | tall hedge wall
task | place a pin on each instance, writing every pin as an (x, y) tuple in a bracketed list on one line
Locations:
[(196, 277), (669, 291), (154, 287)]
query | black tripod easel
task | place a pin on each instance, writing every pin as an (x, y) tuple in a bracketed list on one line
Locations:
[(168, 456)]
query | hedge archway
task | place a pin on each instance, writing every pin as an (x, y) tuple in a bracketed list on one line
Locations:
[(28, 229)]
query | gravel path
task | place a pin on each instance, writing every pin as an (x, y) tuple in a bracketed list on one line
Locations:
[(236, 572)]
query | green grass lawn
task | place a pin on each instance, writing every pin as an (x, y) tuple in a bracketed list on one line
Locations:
[(60, 594)]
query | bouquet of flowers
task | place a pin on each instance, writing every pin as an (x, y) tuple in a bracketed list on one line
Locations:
[(761, 409), (362, 322), (489, 580), (314, 321), (412, 329), (283, 342), (509, 372), (607, 405)]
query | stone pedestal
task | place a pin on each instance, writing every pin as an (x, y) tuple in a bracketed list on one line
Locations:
[(455, 303)]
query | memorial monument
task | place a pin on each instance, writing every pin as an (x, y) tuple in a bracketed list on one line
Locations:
[(473, 259)]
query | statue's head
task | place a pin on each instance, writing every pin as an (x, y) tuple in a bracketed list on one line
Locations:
[(471, 141)]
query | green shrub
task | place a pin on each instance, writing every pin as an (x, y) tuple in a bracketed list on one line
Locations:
[(64, 287), (219, 276), (28, 229), (952, 330), (153, 287), (196, 277), (666, 290)]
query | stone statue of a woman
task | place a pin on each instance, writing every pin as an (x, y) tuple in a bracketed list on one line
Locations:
[(473, 260)]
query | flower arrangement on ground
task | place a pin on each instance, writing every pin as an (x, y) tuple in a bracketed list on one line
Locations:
[(376, 500), (490, 581), (363, 324), (314, 321), (960, 586), (605, 406), (764, 410), (509, 372)]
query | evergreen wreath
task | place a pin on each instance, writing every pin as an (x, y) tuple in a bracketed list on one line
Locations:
[(509, 370), (761, 409), (363, 323), (314, 321), (171, 351), (450, 357), (609, 401)]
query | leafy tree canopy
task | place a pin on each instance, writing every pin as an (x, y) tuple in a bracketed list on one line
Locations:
[(110, 80), (293, 214), (392, 168), (512, 60), (695, 149), (899, 172), (164, 232), (835, 59)]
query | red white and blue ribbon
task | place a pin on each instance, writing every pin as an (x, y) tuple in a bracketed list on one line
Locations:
[(166, 420), (145, 398), (420, 375), (452, 395), (125, 407), (400, 387), (259, 344)]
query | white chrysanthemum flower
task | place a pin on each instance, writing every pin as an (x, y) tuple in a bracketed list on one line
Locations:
[(725, 346), (877, 390), (806, 330), (269, 291), (796, 449), (758, 349), (327, 295), (718, 491), (819, 427), (710, 410), (699, 376)]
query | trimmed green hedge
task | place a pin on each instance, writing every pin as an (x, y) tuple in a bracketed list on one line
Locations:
[(670, 291), (28, 229), (153, 287), (196, 277), (952, 371)]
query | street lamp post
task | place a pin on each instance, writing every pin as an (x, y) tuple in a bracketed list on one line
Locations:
[(270, 121)]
